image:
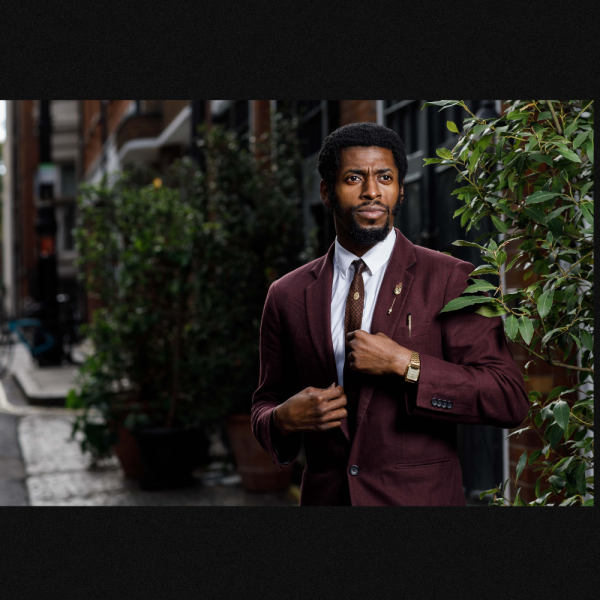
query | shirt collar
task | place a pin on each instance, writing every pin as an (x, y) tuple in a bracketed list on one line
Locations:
[(374, 259)]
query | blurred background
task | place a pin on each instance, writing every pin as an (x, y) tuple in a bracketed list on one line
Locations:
[(60, 164)]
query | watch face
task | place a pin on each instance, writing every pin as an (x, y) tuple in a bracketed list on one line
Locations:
[(412, 374)]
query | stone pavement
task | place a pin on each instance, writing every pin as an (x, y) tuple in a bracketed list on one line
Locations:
[(41, 466)]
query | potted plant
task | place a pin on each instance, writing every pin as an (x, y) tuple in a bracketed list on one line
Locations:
[(140, 242)]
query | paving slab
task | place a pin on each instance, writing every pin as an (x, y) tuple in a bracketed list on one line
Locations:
[(42, 383)]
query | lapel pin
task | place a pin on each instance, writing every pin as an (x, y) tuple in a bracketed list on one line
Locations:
[(397, 291)]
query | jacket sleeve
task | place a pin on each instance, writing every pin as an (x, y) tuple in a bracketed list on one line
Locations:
[(273, 388), (478, 382)]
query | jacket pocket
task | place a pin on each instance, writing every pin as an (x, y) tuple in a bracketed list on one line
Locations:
[(425, 463)]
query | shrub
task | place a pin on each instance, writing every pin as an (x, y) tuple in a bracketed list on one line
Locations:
[(531, 173)]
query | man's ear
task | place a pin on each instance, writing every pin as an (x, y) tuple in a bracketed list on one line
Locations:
[(324, 194)]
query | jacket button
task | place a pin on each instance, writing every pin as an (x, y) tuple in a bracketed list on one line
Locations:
[(353, 470), (444, 404), (449, 404), (433, 402)]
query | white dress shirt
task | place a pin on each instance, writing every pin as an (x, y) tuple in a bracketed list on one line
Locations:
[(376, 260)]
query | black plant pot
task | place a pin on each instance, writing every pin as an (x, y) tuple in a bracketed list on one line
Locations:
[(169, 457)]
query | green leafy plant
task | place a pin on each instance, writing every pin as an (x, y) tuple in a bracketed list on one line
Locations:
[(180, 264), (531, 173)]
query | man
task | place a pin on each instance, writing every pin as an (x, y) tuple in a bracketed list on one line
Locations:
[(356, 358)]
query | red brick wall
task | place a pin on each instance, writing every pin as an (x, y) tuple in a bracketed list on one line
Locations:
[(357, 111), (92, 126)]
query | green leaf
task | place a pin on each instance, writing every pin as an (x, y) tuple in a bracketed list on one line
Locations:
[(556, 392), (492, 491), (544, 115), (577, 341), (536, 214), (589, 150), (541, 197), (484, 142), (586, 339), (474, 158), (479, 129), (491, 310), (512, 262), (544, 303), (432, 161), (444, 153), (581, 137), (480, 285), (561, 414), (464, 301), (538, 157), (511, 326), (452, 126), (521, 464), (484, 270), (459, 211), (516, 115), (549, 336), (580, 478), (569, 154), (556, 434), (570, 129), (584, 189), (557, 212), (465, 217), (534, 456), (463, 243), (558, 482), (586, 213), (589, 502), (501, 226), (526, 329)]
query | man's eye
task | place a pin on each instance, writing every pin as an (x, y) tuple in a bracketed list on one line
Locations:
[(387, 177), (353, 177)]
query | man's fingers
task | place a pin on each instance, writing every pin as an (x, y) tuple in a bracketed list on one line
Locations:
[(331, 393), (335, 415), (326, 426), (334, 404)]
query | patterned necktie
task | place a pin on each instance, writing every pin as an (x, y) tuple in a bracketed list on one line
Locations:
[(353, 320)]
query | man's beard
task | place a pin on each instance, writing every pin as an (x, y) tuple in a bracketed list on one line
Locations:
[(362, 235)]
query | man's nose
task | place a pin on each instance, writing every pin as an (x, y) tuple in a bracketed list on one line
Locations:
[(370, 190)]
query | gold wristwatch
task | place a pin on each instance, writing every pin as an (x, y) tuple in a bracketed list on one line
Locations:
[(414, 368)]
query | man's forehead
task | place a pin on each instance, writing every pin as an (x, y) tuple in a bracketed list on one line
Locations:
[(357, 155)]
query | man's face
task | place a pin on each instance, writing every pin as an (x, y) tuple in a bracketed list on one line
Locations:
[(366, 194)]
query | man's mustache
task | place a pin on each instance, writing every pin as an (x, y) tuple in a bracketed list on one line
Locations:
[(376, 203)]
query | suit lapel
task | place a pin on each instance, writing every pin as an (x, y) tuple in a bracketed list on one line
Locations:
[(402, 258), (318, 312)]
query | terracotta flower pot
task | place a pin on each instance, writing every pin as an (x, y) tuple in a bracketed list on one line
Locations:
[(255, 466), (128, 454)]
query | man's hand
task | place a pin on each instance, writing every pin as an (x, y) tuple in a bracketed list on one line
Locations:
[(376, 354), (312, 409)]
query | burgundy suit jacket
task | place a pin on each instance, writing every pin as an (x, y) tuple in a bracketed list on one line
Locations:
[(404, 451)]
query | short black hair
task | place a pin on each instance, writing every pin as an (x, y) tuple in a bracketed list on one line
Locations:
[(359, 134)]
